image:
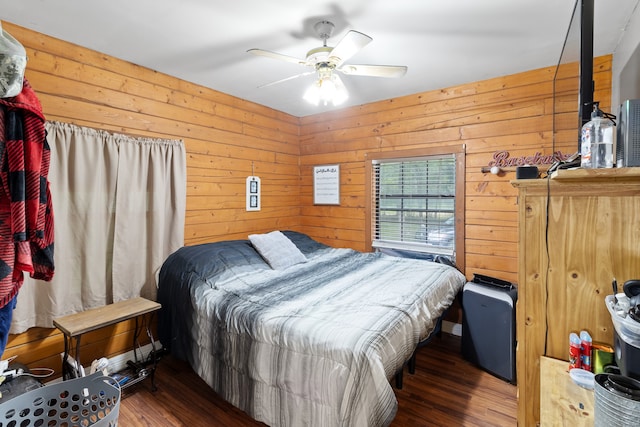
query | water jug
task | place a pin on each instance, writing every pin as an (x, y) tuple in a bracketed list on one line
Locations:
[(601, 138)]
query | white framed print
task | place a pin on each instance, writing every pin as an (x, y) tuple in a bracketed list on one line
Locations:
[(253, 193), (326, 185)]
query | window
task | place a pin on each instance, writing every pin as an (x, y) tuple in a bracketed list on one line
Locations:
[(415, 202)]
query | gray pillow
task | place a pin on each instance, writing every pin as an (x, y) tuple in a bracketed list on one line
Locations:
[(277, 249)]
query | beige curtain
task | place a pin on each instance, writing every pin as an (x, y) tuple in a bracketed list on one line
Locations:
[(119, 206)]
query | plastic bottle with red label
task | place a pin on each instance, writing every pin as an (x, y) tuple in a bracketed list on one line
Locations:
[(575, 351), (586, 345)]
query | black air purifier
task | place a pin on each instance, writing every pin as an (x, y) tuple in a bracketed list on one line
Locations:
[(628, 134), (489, 327)]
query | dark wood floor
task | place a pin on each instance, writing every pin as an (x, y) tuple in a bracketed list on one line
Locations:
[(445, 391)]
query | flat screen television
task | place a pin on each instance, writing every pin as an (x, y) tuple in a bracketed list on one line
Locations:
[(573, 85)]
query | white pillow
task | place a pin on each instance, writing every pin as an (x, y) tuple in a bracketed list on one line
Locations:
[(277, 249)]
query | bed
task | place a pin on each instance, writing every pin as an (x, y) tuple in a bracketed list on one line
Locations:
[(313, 343)]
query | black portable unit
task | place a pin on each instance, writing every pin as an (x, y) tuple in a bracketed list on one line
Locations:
[(489, 325)]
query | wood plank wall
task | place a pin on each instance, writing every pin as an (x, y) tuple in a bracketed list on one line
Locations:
[(227, 139), (512, 113)]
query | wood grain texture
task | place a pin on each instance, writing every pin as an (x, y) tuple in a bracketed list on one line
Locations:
[(563, 403), (100, 317), (445, 391), (566, 272)]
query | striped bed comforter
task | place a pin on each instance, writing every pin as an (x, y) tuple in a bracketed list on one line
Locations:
[(312, 345)]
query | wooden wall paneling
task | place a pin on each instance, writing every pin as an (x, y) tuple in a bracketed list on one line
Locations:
[(487, 247), (513, 113), (492, 217), (485, 117), (480, 151), (427, 120), (422, 138), (68, 86), (226, 140), (476, 107), (97, 67), (466, 91)]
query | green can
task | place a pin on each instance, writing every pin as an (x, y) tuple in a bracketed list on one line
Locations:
[(603, 357)]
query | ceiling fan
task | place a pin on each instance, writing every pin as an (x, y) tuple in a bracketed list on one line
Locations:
[(325, 60)]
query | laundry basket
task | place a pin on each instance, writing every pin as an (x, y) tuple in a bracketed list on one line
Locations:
[(83, 402)]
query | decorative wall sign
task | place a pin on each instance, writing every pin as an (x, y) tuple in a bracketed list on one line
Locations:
[(326, 185), (253, 193), (502, 159)]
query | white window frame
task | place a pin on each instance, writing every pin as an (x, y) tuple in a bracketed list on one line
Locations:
[(372, 159)]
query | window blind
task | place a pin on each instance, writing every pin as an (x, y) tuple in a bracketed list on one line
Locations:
[(414, 204)]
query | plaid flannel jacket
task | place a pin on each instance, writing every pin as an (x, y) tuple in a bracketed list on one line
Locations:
[(26, 212)]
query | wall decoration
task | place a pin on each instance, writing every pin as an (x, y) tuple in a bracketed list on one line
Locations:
[(326, 185), (502, 159), (253, 193)]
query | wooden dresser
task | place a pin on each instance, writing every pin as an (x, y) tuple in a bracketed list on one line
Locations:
[(577, 231)]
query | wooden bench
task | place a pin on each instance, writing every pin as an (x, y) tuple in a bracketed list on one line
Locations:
[(75, 325)]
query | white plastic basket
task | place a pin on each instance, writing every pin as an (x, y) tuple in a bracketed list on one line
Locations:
[(627, 328), (88, 401)]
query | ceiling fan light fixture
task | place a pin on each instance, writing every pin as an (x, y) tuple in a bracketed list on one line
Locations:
[(329, 61), (327, 89)]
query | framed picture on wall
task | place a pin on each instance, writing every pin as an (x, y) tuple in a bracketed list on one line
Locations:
[(253, 193), (326, 185)]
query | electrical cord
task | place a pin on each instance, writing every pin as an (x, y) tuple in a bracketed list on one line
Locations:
[(9, 375), (546, 276), (12, 373), (46, 372), (611, 117)]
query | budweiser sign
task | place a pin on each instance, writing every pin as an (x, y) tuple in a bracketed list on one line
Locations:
[(502, 159)]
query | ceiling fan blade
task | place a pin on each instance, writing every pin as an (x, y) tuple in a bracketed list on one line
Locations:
[(279, 56), (374, 70), (286, 79), (350, 44)]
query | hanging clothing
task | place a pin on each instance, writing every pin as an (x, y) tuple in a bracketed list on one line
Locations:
[(26, 213)]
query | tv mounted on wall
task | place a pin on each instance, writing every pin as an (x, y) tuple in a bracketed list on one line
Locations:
[(573, 81)]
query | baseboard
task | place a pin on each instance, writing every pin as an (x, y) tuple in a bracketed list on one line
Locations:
[(116, 363), (452, 328), (119, 361)]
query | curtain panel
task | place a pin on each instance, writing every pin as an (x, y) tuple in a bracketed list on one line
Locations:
[(119, 208)]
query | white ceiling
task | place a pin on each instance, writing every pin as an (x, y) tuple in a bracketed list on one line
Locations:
[(443, 43)]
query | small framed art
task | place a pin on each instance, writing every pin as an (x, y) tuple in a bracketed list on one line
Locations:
[(253, 193), (326, 185)]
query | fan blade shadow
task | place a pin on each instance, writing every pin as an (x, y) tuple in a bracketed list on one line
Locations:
[(286, 79), (278, 56)]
